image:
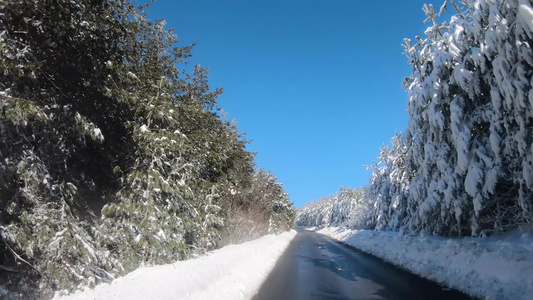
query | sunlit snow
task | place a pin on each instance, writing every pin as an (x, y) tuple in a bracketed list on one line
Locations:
[(526, 13), (498, 267), (232, 272)]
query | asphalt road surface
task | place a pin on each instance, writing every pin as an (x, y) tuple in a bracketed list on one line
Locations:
[(317, 267)]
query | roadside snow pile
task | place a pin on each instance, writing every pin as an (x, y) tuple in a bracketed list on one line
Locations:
[(232, 272), (498, 267)]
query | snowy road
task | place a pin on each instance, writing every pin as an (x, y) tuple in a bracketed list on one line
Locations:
[(317, 267)]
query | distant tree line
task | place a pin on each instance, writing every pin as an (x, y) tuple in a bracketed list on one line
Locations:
[(464, 166), (347, 207), (112, 155)]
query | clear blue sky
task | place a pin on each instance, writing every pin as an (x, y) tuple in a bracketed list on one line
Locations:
[(317, 84)]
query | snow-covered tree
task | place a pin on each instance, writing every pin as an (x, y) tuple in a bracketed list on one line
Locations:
[(262, 207), (111, 155), (388, 187), (467, 153), (348, 207)]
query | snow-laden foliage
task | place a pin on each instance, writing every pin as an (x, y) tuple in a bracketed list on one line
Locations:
[(387, 190), (263, 207), (348, 207), (111, 156), (464, 165)]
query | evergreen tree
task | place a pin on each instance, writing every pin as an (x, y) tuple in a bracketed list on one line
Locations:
[(464, 165), (467, 150), (111, 156), (259, 206), (388, 188), (348, 207)]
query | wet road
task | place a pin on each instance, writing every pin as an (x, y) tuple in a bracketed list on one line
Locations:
[(316, 267)]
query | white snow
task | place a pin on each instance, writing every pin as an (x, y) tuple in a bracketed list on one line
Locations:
[(132, 75), (232, 272), (526, 13), (98, 134), (498, 267)]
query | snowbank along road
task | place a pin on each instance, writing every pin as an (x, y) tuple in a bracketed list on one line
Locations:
[(233, 272)]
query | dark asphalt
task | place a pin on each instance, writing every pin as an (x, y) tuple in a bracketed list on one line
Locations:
[(317, 267)]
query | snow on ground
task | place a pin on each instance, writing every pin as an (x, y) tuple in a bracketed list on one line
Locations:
[(498, 267), (232, 272)]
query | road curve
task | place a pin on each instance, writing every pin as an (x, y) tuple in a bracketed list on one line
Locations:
[(317, 267)]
